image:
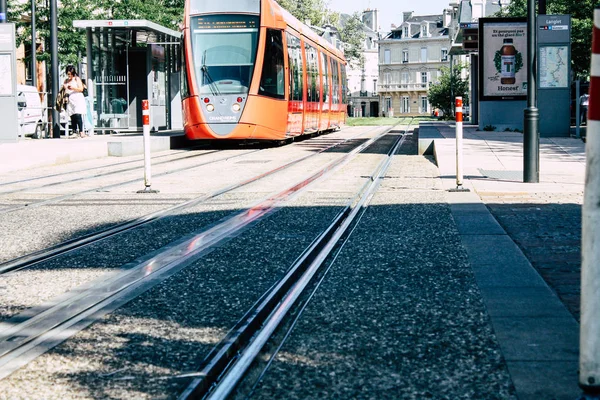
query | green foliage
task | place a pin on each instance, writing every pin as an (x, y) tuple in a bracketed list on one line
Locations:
[(489, 128), (314, 11), (72, 41), (353, 36), (582, 21), (441, 93)]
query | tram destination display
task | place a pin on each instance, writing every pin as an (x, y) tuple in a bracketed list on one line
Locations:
[(230, 21), (503, 58)]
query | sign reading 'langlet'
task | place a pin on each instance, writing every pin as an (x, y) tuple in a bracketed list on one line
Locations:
[(503, 58)]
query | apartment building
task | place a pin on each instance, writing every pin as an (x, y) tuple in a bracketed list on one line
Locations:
[(410, 60), (363, 100)]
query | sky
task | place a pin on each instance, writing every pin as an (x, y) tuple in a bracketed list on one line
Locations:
[(390, 11)]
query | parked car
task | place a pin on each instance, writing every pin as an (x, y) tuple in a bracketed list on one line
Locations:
[(33, 118)]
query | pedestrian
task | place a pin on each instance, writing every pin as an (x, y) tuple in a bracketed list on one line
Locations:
[(76, 107), (583, 102)]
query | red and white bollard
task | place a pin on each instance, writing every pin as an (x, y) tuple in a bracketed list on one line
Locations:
[(459, 146), (589, 337), (146, 131)]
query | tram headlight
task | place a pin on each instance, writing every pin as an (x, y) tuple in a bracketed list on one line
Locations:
[(210, 108), (236, 107)]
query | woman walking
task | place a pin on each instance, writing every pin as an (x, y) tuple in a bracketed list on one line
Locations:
[(76, 107)]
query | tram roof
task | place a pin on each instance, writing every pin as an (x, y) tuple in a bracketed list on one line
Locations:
[(151, 28)]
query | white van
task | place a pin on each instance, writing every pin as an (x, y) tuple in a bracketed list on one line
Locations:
[(33, 118)]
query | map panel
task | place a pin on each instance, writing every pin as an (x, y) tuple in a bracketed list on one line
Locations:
[(554, 71)]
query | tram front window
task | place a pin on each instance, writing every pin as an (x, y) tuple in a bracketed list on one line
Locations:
[(224, 51)]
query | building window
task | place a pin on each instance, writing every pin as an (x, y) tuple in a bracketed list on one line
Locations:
[(388, 105), (387, 78), (424, 105), (424, 79), (423, 54), (405, 55), (405, 32), (387, 56), (404, 79), (374, 86), (405, 104), (424, 32), (444, 54)]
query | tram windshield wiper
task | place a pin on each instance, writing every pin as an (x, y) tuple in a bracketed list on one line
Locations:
[(211, 83)]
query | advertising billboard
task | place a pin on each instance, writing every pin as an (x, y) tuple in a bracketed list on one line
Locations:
[(503, 58)]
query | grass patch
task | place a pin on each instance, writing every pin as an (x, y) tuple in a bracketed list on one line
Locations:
[(383, 121)]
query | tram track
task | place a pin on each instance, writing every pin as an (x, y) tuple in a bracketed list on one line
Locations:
[(227, 364), (23, 339), (31, 259)]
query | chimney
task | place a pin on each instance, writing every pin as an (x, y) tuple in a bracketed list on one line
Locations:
[(406, 15), (446, 18)]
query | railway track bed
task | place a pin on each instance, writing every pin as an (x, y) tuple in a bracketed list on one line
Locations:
[(355, 337)]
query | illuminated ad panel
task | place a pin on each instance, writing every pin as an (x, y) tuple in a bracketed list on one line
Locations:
[(503, 58)]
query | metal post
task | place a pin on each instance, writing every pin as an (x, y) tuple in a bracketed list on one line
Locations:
[(531, 139), (589, 338), (542, 7), (458, 107), (577, 109), (33, 47), (54, 68), (146, 131), (3, 12)]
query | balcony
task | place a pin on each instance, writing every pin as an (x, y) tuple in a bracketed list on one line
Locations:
[(403, 87)]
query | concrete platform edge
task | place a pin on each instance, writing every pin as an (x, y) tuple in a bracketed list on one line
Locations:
[(557, 347)]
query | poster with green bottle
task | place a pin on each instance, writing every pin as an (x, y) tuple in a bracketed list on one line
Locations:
[(503, 59)]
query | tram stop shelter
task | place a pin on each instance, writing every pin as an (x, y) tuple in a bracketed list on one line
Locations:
[(129, 61)]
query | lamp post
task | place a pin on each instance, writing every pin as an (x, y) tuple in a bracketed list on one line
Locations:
[(531, 139), (3, 11), (54, 68), (33, 47)]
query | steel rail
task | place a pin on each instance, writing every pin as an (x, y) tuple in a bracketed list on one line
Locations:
[(101, 175), (227, 363), (33, 258), (95, 168), (24, 340)]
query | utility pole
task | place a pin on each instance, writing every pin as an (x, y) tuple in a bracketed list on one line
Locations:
[(54, 68), (531, 137), (33, 47), (3, 11)]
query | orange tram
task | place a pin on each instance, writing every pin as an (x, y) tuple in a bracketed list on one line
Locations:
[(253, 71)]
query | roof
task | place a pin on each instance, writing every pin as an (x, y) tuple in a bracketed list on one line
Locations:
[(435, 24), (137, 24)]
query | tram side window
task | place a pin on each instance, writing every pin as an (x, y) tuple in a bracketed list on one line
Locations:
[(335, 83), (325, 70), (272, 81), (344, 85), (185, 89), (296, 71), (313, 74)]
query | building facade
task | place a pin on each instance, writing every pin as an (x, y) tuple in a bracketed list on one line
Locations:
[(363, 100), (410, 60)]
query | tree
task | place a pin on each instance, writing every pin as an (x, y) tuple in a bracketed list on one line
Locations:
[(353, 37), (582, 21), (72, 41), (441, 93), (313, 11)]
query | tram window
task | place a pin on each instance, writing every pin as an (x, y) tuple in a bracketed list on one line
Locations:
[(296, 70), (272, 81), (325, 72), (335, 83), (185, 89), (312, 73), (344, 85)]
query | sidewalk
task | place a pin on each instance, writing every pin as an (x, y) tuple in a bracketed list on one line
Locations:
[(32, 153), (538, 333)]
